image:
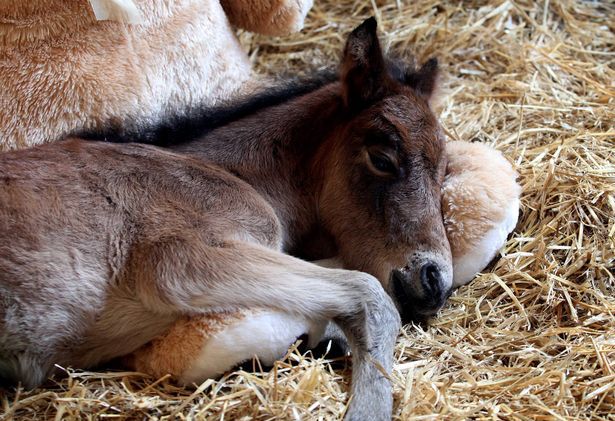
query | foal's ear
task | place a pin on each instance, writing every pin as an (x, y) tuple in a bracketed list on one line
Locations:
[(363, 70), (424, 81)]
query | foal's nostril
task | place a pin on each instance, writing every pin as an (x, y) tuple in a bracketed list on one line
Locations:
[(431, 278), (420, 291)]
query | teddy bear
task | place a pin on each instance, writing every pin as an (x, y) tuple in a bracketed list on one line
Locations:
[(69, 66), (480, 206), (74, 65)]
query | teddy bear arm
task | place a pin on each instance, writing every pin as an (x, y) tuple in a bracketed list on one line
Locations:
[(480, 206), (476, 258), (267, 17)]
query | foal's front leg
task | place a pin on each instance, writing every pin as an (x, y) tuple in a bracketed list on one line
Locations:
[(213, 278)]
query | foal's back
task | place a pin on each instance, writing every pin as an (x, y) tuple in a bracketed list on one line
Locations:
[(71, 215)]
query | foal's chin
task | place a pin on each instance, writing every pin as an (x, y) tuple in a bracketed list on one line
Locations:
[(417, 305), (415, 313)]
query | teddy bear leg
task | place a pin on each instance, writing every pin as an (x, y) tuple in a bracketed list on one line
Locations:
[(202, 347), (265, 335)]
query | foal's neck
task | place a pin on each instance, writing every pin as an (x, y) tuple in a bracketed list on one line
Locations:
[(274, 150)]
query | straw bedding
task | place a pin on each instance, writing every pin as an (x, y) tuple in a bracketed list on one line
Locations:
[(531, 338)]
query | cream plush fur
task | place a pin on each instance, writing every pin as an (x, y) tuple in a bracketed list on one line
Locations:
[(480, 205), (62, 70)]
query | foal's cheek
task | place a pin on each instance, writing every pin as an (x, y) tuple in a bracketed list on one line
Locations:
[(384, 261)]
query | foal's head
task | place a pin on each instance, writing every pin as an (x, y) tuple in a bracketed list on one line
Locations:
[(384, 168)]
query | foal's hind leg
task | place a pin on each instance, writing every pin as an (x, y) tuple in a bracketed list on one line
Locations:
[(212, 278)]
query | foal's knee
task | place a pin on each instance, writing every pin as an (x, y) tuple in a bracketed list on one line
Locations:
[(375, 308), (380, 305)]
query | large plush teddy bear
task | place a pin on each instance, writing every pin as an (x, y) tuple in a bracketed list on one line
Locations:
[(68, 66), (62, 69)]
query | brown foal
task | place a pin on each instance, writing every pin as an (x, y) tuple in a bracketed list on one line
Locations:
[(105, 245)]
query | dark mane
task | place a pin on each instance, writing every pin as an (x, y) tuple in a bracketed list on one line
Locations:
[(187, 125)]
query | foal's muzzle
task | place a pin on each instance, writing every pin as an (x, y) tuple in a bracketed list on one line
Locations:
[(421, 291)]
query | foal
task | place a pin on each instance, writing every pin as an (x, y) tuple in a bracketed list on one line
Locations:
[(106, 245)]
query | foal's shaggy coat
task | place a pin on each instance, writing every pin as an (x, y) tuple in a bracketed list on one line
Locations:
[(111, 243)]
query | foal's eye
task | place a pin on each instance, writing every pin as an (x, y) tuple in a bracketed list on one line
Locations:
[(382, 163)]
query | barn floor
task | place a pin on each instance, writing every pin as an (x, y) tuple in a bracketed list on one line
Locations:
[(534, 336)]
